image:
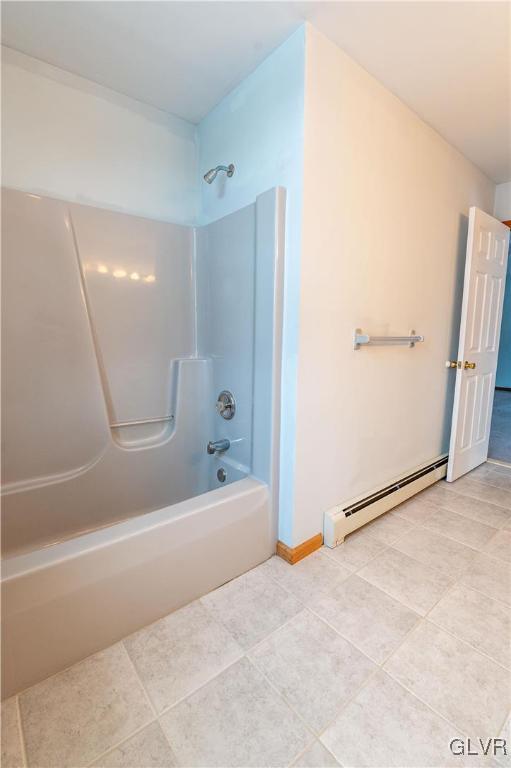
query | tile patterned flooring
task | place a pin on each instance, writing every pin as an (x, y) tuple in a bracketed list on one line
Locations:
[(377, 653)]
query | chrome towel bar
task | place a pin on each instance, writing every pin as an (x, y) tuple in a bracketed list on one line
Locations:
[(138, 422), (361, 339)]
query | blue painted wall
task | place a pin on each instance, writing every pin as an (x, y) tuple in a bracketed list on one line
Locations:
[(259, 128), (504, 366)]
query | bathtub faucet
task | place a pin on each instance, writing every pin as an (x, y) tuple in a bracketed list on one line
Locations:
[(218, 445)]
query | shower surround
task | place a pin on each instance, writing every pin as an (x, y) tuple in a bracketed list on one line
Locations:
[(119, 333)]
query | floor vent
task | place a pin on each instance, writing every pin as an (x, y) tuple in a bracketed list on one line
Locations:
[(346, 518)]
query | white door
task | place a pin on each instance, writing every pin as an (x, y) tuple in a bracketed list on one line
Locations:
[(476, 366)]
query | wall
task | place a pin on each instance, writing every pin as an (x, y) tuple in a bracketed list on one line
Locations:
[(504, 365), (71, 369), (385, 211), (68, 138), (144, 269), (502, 211), (259, 128)]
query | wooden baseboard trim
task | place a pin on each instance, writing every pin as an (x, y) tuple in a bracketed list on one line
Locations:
[(295, 554)]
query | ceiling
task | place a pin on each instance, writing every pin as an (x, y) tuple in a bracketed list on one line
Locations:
[(449, 61)]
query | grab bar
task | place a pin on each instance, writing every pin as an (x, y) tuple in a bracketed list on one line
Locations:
[(138, 422), (364, 339)]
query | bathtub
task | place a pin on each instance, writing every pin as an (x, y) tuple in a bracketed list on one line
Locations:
[(67, 601), (110, 520)]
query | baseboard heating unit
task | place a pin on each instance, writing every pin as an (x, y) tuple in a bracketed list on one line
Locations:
[(346, 518)]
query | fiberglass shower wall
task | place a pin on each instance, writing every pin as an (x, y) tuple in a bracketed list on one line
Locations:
[(226, 263), (118, 335), (240, 276), (98, 330)]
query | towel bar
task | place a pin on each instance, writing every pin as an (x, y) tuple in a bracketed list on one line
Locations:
[(364, 339)]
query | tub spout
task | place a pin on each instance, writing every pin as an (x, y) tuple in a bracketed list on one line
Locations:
[(218, 445)]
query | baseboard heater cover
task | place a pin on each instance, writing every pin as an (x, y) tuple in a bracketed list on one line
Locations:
[(346, 518)]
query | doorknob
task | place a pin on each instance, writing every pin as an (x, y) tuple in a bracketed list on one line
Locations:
[(452, 364), (469, 365)]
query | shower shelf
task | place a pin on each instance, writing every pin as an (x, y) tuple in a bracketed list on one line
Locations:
[(365, 340), (138, 422)]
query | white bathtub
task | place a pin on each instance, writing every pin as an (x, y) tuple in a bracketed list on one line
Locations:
[(67, 601), (123, 530)]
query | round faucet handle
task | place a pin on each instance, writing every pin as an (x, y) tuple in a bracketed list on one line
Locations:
[(226, 404)]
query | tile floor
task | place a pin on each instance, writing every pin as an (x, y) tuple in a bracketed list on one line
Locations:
[(377, 653)]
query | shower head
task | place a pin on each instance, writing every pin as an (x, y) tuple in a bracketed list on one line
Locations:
[(210, 176)]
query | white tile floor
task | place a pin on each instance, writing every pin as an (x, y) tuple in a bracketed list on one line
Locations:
[(377, 653)]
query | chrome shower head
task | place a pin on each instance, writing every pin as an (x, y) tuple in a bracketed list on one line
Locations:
[(210, 176)]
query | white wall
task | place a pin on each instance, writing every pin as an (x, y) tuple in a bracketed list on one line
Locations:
[(69, 138), (385, 211), (502, 208)]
